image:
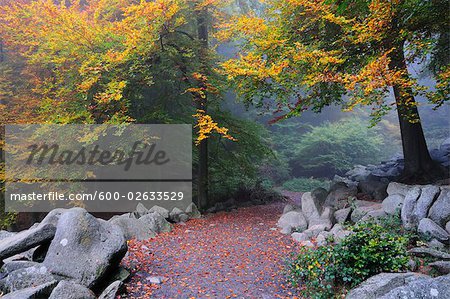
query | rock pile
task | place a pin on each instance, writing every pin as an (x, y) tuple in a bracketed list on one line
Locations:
[(72, 254), (402, 285), (423, 208)]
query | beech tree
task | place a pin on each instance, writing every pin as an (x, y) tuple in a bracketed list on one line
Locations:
[(307, 54)]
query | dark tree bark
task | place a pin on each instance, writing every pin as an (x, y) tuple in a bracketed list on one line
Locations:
[(202, 104), (419, 167)]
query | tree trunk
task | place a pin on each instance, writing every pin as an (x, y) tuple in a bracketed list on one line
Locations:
[(419, 167), (201, 104)]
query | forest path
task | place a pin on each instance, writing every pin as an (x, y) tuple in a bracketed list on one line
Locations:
[(237, 254)]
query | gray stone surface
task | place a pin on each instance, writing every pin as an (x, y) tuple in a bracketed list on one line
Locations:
[(192, 211), (443, 267), (288, 208), (422, 288), (381, 284), (5, 234), (428, 227), (141, 210), (299, 237), (374, 215), (315, 230), (392, 204), (342, 215), (155, 222), (427, 197), (26, 240), (423, 251), (177, 215), (320, 194), (111, 291), (361, 211), (84, 248), (292, 221), (134, 228), (326, 218), (162, 211), (447, 227), (36, 292), (409, 205), (440, 210), (71, 290), (397, 188), (339, 195), (26, 278), (11, 266), (374, 188), (310, 206)]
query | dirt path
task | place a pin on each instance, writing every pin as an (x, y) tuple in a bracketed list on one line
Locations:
[(238, 254)]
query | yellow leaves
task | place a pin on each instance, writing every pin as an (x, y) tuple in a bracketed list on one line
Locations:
[(253, 65), (248, 26), (113, 92), (206, 126)]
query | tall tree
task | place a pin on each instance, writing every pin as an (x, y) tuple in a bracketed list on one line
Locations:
[(312, 53), (202, 105)]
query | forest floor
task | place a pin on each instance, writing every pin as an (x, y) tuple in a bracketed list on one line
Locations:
[(237, 254)]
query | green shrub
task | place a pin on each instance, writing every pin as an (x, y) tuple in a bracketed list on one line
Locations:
[(371, 249), (305, 184), (336, 147), (313, 271)]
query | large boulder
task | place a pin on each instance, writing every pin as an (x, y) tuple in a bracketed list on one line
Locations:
[(397, 188), (311, 206), (392, 204), (447, 227), (374, 215), (326, 218), (362, 210), (315, 230), (26, 240), (440, 210), (299, 237), (374, 187), (442, 267), (445, 146), (339, 195), (377, 286), (155, 222), (178, 215), (424, 287), (427, 196), (342, 215), (35, 292), (25, 278), (292, 221), (429, 228), (320, 194), (409, 205), (358, 173), (162, 211), (192, 211), (71, 290), (134, 229), (288, 208), (141, 210), (84, 248), (11, 266)]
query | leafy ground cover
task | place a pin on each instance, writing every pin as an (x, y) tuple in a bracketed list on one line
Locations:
[(225, 255)]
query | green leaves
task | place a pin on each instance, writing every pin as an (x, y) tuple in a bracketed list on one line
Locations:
[(372, 248)]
